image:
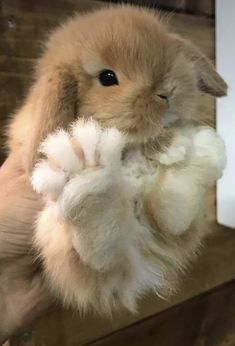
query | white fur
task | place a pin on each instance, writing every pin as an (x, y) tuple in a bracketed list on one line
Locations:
[(47, 181), (58, 147), (204, 154), (177, 152), (209, 154), (102, 206), (88, 136)]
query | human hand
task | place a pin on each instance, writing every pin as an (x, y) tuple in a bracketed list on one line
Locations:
[(23, 296)]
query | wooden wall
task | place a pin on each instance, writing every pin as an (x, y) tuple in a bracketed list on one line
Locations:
[(201, 7)]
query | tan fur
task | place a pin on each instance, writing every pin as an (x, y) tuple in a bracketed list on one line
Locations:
[(149, 61)]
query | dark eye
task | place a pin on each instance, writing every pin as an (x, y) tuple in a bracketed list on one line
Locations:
[(107, 78), (164, 97)]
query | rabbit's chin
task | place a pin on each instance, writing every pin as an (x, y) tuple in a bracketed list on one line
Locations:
[(156, 132), (143, 137), (154, 140)]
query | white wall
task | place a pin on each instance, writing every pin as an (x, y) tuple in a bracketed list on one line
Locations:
[(225, 60)]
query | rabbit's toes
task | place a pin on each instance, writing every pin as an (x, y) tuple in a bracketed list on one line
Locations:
[(84, 150), (177, 151)]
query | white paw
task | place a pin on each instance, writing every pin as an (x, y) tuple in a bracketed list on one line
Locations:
[(85, 153), (209, 152), (177, 152)]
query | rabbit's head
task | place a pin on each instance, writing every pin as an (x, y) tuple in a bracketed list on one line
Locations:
[(122, 67)]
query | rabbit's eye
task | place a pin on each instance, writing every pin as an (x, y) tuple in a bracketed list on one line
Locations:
[(163, 97), (107, 78)]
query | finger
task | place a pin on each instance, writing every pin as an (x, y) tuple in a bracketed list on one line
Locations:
[(21, 306)]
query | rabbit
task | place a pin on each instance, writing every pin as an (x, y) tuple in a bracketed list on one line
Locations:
[(106, 138)]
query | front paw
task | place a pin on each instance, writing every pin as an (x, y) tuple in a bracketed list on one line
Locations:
[(209, 154), (178, 152), (80, 162)]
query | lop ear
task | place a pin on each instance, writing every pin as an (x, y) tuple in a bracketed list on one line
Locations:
[(53, 103), (209, 81)]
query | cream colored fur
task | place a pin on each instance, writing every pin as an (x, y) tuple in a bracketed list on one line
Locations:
[(99, 249), (125, 186)]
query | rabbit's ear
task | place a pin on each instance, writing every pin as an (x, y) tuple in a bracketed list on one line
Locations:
[(209, 81), (53, 100)]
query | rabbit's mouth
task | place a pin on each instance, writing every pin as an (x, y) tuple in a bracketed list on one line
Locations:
[(170, 119), (144, 134)]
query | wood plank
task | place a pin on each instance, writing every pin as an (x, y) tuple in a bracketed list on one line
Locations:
[(16, 65), (17, 26), (20, 48), (205, 7), (199, 30), (12, 88), (208, 319), (45, 5), (32, 20)]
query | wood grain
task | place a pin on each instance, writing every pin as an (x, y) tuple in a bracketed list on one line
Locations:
[(207, 320), (204, 7)]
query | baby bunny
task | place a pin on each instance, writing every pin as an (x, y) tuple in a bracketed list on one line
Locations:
[(113, 228), (125, 175)]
